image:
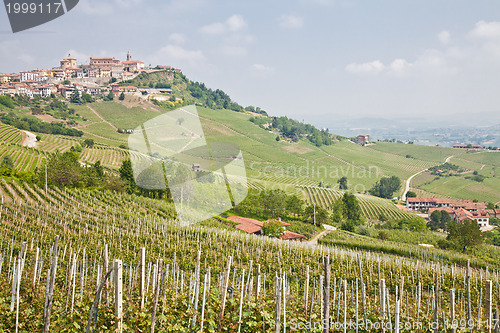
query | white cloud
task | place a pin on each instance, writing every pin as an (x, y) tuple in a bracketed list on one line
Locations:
[(177, 38), (444, 37), (399, 66), (373, 67), (260, 70), (291, 21), (236, 23), (233, 24), (213, 29), (177, 55), (486, 30)]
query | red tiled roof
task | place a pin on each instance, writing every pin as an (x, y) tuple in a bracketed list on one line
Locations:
[(448, 210), (292, 235), (248, 227)]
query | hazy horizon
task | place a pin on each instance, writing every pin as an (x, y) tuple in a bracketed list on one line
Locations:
[(307, 59)]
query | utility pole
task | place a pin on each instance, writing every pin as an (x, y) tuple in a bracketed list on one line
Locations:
[(314, 212)]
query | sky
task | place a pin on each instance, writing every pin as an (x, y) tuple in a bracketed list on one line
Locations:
[(312, 60)]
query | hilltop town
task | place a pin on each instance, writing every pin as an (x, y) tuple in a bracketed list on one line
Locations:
[(93, 78)]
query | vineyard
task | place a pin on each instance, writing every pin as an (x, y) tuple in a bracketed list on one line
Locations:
[(81, 260), (9, 134), (371, 207), (25, 159)]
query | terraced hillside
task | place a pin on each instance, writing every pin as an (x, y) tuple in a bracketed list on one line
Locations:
[(9, 134), (372, 207)]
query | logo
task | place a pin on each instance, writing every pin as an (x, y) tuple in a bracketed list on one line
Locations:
[(26, 14), (205, 176)]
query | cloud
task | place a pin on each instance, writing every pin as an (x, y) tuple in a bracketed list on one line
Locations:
[(259, 70), (177, 38), (233, 24), (486, 30), (10, 47), (399, 66), (291, 21), (373, 67), (80, 56), (178, 56), (444, 37), (236, 23)]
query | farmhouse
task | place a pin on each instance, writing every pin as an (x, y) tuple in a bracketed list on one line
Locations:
[(362, 139), (253, 226), (460, 214), (427, 203)]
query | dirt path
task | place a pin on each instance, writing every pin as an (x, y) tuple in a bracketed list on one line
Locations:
[(100, 117), (29, 140), (328, 229)]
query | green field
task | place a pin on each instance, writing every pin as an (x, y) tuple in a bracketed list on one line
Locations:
[(274, 164)]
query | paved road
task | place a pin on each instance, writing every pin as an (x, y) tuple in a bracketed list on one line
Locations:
[(408, 181)]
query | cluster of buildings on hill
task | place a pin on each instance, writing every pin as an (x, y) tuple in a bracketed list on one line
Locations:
[(88, 78), (459, 210)]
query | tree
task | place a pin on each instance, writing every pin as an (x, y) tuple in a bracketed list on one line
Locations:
[(7, 162), (439, 220), (351, 208), (127, 175), (278, 138), (89, 143), (316, 212), (272, 228), (343, 183), (99, 170), (464, 235), (385, 187), (63, 170), (7, 166), (75, 97), (294, 205), (122, 96), (87, 98), (109, 97), (411, 194), (273, 202)]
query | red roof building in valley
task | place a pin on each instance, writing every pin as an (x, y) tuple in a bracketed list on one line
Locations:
[(253, 226)]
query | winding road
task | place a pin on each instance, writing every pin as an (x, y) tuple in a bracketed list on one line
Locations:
[(408, 181)]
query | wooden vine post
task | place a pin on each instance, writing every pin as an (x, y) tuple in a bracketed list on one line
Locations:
[(326, 307), (488, 307), (50, 291), (225, 285), (142, 274), (118, 272), (157, 295)]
